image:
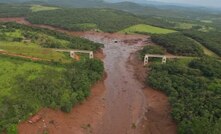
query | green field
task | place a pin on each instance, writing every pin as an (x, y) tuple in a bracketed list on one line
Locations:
[(33, 50), (206, 21), (37, 8), (184, 25), (142, 28), (10, 68)]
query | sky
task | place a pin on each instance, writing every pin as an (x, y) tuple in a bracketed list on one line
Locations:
[(205, 3), (211, 3)]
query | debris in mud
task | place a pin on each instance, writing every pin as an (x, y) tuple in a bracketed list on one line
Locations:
[(115, 41), (35, 119)]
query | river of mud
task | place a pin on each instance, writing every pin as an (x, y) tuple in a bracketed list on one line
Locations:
[(124, 99), (122, 104)]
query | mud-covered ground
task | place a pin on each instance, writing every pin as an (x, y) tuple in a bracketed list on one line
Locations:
[(121, 104)]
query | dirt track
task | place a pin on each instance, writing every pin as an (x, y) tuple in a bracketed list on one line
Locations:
[(125, 106)]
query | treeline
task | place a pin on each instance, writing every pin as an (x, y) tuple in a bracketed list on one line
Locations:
[(151, 49), (57, 87), (107, 20), (194, 92), (14, 10), (210, 39), (178, 44), (46, 38)]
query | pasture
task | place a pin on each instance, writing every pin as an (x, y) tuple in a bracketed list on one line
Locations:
[(37, 8), (142, 28), (33, 50)]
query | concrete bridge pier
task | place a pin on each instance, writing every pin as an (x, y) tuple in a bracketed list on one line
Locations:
[(164, 59), (72, 54), (146, 58), (91, 55)]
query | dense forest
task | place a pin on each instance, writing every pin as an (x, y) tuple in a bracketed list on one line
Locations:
[(149, 10), (14, 10), (85, 19), (194, 93), (178, 44), (210, 39), (153, 49)]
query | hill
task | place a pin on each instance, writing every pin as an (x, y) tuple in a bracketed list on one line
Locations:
[(144, 9)]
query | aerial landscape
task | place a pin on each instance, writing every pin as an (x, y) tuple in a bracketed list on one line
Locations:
[(110, 67)]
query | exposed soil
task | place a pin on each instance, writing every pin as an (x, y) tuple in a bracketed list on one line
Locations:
[(82, 120), (125, 107)]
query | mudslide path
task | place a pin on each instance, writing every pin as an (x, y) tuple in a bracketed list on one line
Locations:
[(125, 106), (124, 99)]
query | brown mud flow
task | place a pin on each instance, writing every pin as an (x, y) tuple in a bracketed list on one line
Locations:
[(124, 98), (125, 107)]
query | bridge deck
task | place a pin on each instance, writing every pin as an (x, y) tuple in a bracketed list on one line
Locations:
[(72, 50), (162, 56)]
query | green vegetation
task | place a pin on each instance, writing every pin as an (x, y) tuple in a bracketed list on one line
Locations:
[(178, 44), (182, 25), (207, 51), (210, 40), (38, 43), (86, 19), (151, 50), (37, 8), (194, 91), (14, 10), (142, 28), (26, 86), (33, 50), (207, 21)]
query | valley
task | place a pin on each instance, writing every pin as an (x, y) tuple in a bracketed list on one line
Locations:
[(49, 87)]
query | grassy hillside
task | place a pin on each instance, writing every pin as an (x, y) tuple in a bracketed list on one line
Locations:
[(20, 39), (33, 50), (145, 29), (27, 86)]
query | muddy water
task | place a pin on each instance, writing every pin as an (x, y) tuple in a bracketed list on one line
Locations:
[(125, 101)]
